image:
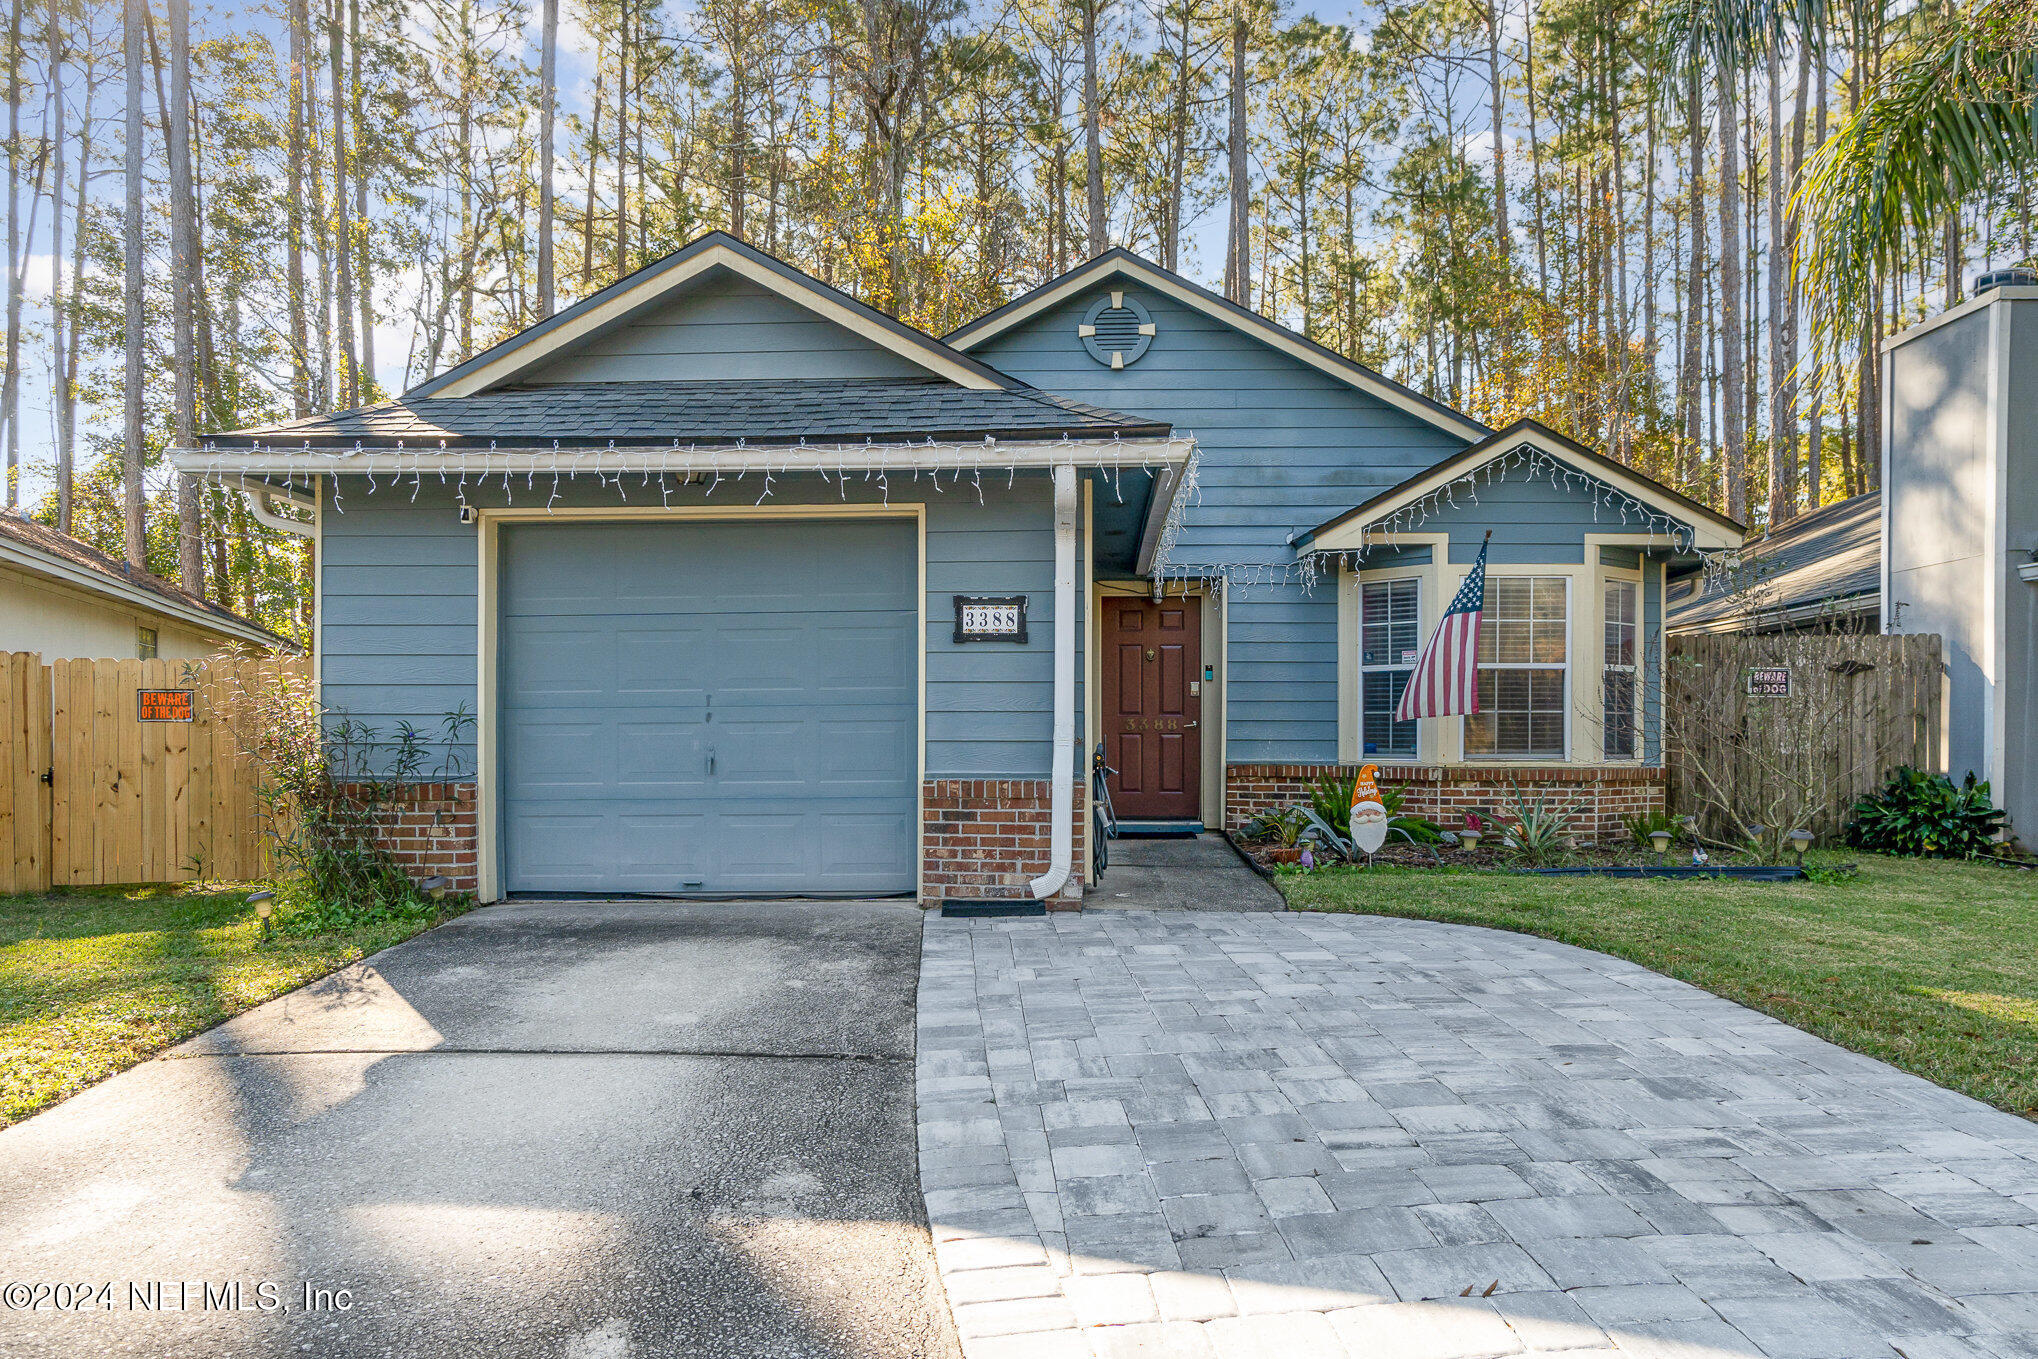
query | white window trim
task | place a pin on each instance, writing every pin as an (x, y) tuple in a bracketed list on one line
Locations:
[(1570, 577), (1387, 576), (1435, 742), (1609, 575)]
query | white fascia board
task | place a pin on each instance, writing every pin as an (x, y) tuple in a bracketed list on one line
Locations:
[(82, 578), (1268, 332), (231, 465), (539, 348), (1705, 534)]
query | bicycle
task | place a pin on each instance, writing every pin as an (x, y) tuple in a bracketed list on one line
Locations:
[(1103, 820)]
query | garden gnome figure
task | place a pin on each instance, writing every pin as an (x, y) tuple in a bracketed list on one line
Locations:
[(1369, 814)]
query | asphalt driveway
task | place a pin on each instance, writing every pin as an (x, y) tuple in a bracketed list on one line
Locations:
[(588, 1130)]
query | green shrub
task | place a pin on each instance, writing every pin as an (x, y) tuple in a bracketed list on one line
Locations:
[(1330, 797), (1285, 827), (1927, 816), (1535, 830)]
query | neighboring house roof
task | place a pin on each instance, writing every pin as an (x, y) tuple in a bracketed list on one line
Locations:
[(42, 551), (1827, 562), (774, 411), (1347, 530), (1121, 262), (633, 294)]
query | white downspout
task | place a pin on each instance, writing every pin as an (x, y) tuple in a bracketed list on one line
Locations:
[(1063, 765), (258, 505)]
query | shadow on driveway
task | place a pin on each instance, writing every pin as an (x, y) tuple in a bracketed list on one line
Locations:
[(583, 1129)]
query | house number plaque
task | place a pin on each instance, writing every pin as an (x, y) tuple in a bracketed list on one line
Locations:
[(990, 618)]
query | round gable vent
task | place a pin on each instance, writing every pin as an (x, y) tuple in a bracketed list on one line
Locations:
[(1116, 330)]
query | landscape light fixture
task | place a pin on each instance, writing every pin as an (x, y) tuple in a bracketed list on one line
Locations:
[(1469, 838), (1800, 841), (1660, 840), (265, 906), (435, 887)]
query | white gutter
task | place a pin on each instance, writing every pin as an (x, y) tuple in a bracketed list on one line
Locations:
[(231, 465), (1063, 764), (258, 505)]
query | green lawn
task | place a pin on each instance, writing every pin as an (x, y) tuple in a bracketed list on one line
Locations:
[(1929, 965), (94, 981)]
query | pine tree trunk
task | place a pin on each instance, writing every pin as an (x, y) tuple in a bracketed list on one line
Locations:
[(1238, 246), (364, 269), (300, 330), (135, 14), (548, 108), (1733, 340), (10, 385), (343, 228), (1815, 434), (1782, 431), (60, 396), (1093, 133), (1171, 236), (183, 293), (1498, 100)]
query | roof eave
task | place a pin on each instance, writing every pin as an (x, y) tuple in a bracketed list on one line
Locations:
[(1365, 516), (644, 287), (35, 561)]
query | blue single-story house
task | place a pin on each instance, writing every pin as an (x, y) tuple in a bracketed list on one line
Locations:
[(751, 589)]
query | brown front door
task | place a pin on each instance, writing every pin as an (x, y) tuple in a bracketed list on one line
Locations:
[(1153, 671)]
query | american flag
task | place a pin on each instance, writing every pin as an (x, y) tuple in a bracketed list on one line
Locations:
[(1445, 680)]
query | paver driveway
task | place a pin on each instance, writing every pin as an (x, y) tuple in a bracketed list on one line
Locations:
[(1165, 1133), (572, 1130)]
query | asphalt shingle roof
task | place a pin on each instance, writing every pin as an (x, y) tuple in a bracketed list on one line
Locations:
[(1831, 557), (770, 411), (42, 538)]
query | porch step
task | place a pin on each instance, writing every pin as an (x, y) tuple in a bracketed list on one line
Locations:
[(1158, 830)]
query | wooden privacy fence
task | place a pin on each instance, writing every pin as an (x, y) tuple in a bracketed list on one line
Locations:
[(127, 771), (1797, 724)]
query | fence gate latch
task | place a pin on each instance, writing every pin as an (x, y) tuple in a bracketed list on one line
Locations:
[(49, 776)]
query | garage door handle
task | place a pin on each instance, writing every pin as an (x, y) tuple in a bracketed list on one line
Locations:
[(711, 759)]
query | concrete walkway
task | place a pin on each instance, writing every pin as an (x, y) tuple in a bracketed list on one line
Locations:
[(604, 1130), (1304, 1136), (1188, 873)]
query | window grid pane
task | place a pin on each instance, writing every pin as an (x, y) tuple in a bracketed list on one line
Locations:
[(1618, 677), (1390, 634), (1522, 665)]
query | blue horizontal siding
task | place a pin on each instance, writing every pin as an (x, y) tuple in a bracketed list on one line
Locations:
[(1283, 447), (398, 580)]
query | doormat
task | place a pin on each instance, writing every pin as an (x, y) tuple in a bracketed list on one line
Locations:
[(967, 910)]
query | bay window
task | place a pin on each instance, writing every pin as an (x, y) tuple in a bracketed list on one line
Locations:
[(1523, 669)]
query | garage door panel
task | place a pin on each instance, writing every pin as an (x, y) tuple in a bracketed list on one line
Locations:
[(559, 754), (644, 662), (561, 659), (629, 652)]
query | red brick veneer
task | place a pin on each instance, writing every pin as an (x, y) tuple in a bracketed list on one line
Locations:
[(984, 839), (1604, 794), (434, 829)]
